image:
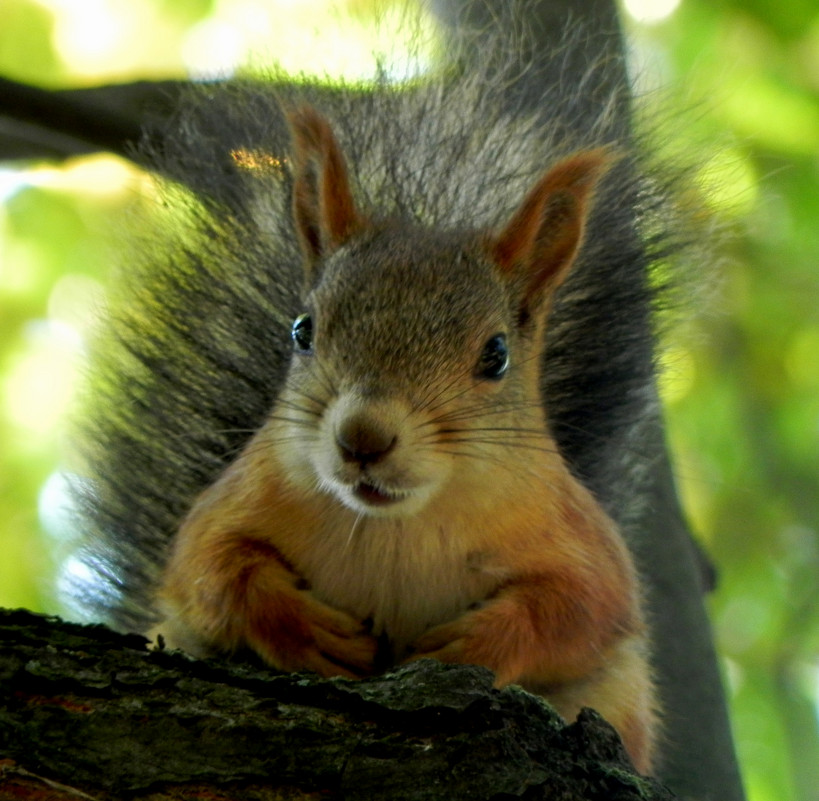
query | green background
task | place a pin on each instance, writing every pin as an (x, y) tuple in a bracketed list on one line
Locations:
[(742, 380)]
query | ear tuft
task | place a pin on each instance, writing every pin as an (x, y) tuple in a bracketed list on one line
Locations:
[(323, 206), (539, 244)]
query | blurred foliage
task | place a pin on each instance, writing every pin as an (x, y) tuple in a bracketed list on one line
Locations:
[(742, 388), (743, 385)]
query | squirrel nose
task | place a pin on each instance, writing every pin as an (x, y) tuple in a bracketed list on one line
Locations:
[(363, 441)]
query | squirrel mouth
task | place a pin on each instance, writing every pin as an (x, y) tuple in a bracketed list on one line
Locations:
[(373, 496)]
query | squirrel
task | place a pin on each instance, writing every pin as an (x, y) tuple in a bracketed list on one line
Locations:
[(338, 420), (406, 477)]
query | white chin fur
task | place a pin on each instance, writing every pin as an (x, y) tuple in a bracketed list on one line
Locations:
[(404, 504)]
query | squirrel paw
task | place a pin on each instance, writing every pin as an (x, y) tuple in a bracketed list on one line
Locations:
[(446, 643), (309, 635), (289, 630), (483, 636)]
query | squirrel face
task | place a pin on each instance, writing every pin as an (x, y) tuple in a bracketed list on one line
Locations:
[(418, 354), (408, 366)]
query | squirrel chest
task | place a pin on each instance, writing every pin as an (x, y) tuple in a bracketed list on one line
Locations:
[(405, 486), (404, 577), (407, 574)]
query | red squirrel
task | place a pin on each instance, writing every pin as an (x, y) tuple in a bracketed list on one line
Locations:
[(405, 495)]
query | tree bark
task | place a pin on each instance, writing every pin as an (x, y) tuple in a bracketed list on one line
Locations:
[(86, 711)]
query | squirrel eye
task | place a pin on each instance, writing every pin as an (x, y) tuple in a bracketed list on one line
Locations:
[(494, 359), (302, 333)]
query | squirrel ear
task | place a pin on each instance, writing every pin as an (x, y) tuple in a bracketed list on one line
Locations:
[(323, 205), (538, 245)]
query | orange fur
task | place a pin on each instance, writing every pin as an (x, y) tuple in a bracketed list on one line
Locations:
[(556, 593), (423, 517)]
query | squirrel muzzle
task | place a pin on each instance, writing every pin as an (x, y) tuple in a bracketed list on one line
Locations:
[(369, 456)]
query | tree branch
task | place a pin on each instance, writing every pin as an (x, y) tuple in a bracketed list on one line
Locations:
[(91, 711)]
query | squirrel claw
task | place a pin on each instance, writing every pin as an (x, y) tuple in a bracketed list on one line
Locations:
[(352, 657), (328, 666), (445, 643)]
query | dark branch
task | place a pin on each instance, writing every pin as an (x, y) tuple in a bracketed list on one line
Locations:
[(38, 123), (86, 708)]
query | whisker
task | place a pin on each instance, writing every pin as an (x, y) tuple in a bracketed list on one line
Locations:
[(506, 444), (530, 432), (280, 418), (428, 404), (288, 404), (301, 393), (482, 409), (358, 518)]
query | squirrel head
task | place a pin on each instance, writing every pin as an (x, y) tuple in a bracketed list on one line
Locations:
[(418, 346)]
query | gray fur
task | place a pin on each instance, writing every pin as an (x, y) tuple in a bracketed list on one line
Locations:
[(194, 353)]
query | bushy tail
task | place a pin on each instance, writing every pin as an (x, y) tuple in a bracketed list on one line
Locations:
[(196, 347)]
